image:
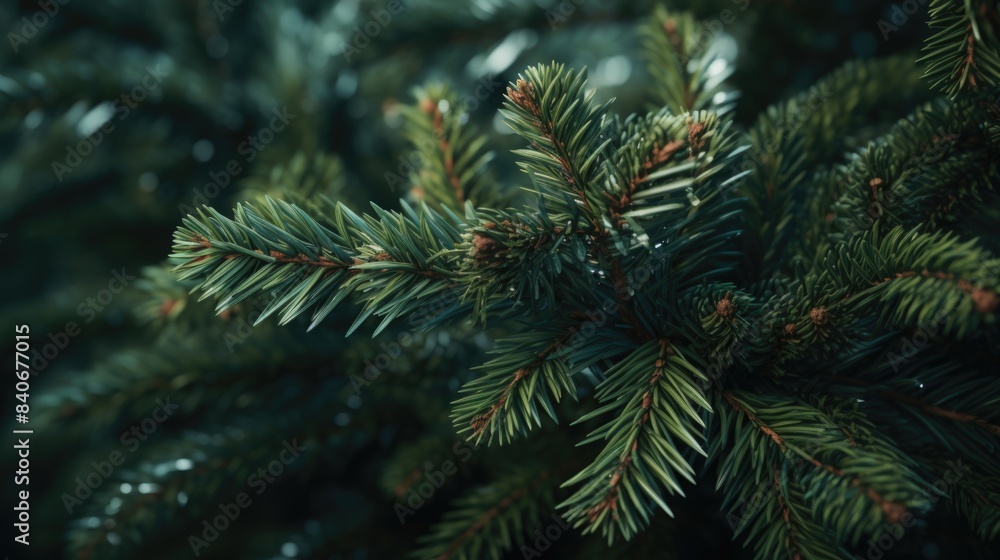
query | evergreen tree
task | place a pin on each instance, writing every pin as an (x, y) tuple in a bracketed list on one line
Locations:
[(708, 317)]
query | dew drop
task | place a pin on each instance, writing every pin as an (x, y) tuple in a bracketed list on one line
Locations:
[(693, 198)]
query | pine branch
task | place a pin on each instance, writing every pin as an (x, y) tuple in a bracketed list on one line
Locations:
[(569, 138), (875, 482), (633, 190), (761, 493), (490, 520), (672, 177), (914, 276), (688, 75), (654, 401), (880, 482), (452, 164), (386, 262), (549, 107), (529, 374), (975, 496), (931, 403), (516, 256), (926, 407), (934, 167), (963, 54), (728, 326)]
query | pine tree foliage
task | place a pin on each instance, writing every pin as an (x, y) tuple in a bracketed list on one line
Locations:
[(631, 235), (790, 139), (765, 502), (976, 501), (932, 417), (935, 180), (655, 313)]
